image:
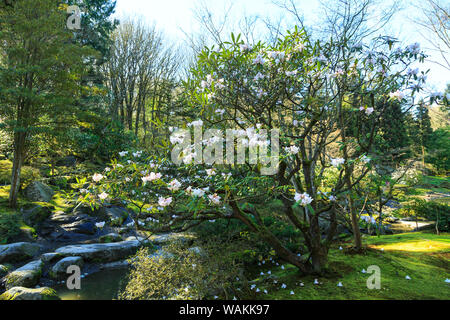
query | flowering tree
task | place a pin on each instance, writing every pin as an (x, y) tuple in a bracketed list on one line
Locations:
[(325, 100)]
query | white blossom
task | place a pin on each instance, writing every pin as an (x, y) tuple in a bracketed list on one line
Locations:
[(103, 196), (174, 185), (164, 202), (97, 177), (215, 199), (337, 162)]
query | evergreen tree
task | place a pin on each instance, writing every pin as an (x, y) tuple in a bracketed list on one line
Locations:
[(39, 75), (424, 130)]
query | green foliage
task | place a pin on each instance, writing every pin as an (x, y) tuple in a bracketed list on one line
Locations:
[(96, 25), (9, 226), (438, 149), (432, 210), (180, 273), (101, 139)]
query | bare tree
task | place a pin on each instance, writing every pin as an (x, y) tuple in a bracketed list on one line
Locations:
[(436, 27), (140, 74)]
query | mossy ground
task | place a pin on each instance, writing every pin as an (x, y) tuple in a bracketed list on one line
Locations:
[(59, 203), (422, 256)]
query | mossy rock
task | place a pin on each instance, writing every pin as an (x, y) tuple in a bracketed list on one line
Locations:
[(112, 237), (38, 192), (33, 215), (27, 276), (21, 293)]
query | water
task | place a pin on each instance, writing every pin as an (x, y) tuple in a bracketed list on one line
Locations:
[(103, 285)]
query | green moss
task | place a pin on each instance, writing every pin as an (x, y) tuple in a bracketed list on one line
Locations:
[(422, 256), (6, 296), (49, 294), (28, 174), (46, 294)]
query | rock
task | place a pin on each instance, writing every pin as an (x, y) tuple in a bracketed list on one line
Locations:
[(36, 214), (82, 226), (68, 161), (166, 238), (111, 237), (115, 265), (20, 251), (116, 214), (59, 270), (68, 227), (84, 210), (50, 257), (26, 276), (38, 192), (101, 252), (3, 270), (132, 238), (21, 293)]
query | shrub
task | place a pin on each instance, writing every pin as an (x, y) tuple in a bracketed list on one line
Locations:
[(182, 274)]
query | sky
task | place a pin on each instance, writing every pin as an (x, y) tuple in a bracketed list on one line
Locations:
[(176, 17)]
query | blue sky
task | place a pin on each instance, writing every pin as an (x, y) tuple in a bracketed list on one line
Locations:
[(176, 16)]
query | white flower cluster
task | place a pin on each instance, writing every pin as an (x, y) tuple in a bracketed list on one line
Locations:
[(303, 198)]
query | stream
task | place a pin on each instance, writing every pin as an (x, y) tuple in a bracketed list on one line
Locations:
[(103, 285)]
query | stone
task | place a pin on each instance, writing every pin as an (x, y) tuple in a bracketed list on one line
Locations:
[(64, 226), (115, 265), (83, 227), (166, 238), (59, 270), (27, 276), (101, 252), (38, 192), (116, 214), (17, 252), (110, 237), (50, 257), (21, 293), (36, 214)]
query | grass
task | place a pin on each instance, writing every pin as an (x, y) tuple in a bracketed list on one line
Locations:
[(422, 256)]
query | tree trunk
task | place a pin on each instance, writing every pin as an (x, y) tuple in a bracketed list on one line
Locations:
[(19, 147), (319, 258)]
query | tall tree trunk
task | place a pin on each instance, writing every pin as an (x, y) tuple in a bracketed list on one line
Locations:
[(19, 148)]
